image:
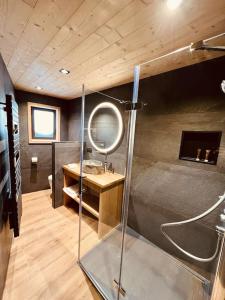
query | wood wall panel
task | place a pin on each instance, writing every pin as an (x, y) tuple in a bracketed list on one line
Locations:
[(99, 41), (12, 25), (46, 20)]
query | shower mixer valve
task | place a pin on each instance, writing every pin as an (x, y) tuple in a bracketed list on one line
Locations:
[(222, 217)]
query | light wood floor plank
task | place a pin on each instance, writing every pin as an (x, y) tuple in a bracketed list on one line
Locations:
[(43, 259)]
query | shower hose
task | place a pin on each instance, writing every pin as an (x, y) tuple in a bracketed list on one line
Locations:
[(207, 212)]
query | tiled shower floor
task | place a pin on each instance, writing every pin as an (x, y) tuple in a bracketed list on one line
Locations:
[(148, 272)]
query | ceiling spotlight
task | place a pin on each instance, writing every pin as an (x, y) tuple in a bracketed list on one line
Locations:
[(38, 88), (64, 71), (173, 4), (223, 86)]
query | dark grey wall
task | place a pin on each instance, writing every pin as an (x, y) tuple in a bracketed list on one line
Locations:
[(35, 178), (62, 153), (164, 188), (74, 119), (118, 158)]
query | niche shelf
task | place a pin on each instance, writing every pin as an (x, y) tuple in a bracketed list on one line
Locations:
[(200, 146)]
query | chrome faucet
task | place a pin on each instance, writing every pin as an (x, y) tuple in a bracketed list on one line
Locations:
[(110, 168), (105, 164)]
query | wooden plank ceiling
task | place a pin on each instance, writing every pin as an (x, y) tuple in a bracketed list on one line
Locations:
[(99, 41)]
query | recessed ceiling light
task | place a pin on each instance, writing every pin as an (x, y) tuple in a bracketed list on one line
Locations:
[(38, 88), (64, 71), (173, 4)]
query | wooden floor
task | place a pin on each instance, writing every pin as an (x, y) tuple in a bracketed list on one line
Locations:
[(43, 259)]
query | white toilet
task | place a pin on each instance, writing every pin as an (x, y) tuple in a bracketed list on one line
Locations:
[(50, 181)]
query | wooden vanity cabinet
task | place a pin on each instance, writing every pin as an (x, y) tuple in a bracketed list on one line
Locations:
[(102, 197)]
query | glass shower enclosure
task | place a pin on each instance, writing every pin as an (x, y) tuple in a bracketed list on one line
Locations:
[(103, 163), (151, 176)]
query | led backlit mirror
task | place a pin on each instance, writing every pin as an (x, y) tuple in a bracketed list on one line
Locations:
[(105, 127)]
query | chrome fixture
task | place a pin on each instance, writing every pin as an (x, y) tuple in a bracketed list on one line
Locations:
[(105, 163), (120, 289), (223, 86), (110, 168), (64, 71), (201, 45), (38, 87)]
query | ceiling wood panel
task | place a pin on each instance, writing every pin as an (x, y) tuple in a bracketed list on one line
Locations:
[(12, 25), (99, 41), (46, 20)]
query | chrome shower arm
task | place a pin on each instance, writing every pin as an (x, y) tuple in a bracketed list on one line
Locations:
[(213, 48)]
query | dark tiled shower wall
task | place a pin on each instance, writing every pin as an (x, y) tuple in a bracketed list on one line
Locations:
[(35, 178), (164, 188)]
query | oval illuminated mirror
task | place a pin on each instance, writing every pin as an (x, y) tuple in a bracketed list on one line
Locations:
[(105, 127)]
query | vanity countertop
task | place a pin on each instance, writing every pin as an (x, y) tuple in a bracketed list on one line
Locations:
[(103, 181)]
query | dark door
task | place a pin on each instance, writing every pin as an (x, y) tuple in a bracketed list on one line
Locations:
[(5, 191)]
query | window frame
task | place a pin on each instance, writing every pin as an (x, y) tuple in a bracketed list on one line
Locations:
[(31, 107)]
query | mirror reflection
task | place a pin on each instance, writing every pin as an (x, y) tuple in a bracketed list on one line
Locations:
[(105, 127)]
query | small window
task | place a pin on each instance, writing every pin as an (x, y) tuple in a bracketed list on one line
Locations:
[(43, 123)]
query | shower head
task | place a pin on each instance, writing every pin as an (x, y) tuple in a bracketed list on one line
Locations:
[(200, 45)]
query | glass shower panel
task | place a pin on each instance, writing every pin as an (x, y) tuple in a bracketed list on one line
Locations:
[(103, 161), (177, 174)]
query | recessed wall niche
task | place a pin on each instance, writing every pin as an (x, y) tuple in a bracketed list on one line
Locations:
[(200, 146)]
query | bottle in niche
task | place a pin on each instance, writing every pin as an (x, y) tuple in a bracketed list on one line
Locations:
[(214, 154), (198, 154), (207, 152)]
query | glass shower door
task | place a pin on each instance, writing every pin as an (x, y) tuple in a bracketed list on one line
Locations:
[(177, 174), (102, 169)]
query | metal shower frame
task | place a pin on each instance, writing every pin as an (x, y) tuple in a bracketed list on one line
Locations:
[(128, 173)]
